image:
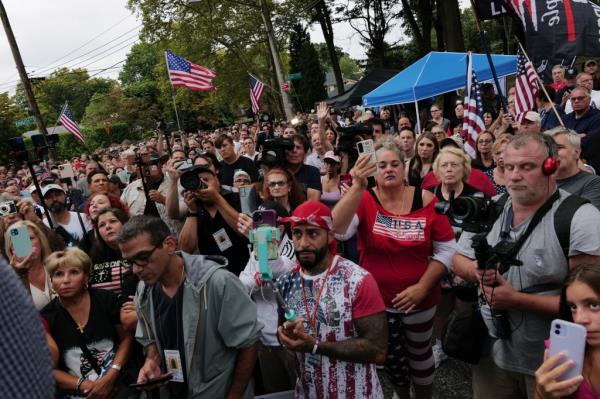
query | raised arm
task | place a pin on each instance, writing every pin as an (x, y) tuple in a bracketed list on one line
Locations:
[(323, 115)]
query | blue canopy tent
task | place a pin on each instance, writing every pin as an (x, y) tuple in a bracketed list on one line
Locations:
[(436, 73)]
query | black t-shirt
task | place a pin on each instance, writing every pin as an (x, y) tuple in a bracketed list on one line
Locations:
[(234, 246), (169, 331), (477, 164), (99, 334), (466, 192), (111, 272), (228, 170), (309, 177)]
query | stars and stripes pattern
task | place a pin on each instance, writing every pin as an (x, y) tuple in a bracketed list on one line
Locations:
[(400, 228), (66, 119), (524, 9), (184, 73), (473, 116), (526, 87), (256, 90)]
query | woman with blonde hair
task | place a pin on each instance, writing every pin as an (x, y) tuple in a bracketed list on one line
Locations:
[(496, 175), (452, 168), (31, 267), (86, 326)]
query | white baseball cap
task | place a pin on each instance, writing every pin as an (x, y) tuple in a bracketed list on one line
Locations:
[(50, 187)]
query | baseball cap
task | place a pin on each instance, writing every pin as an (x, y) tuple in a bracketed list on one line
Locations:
[(454, 141), (588, 62), (532, 116), (241, 172), (48, 176), (331, 155), (51, 187)]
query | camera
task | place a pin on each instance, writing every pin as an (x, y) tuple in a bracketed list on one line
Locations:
[(190, 179), (476, 213), (8, 208), (273, 150)]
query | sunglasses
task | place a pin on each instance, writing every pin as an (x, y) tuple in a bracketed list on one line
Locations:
[(280, 183)]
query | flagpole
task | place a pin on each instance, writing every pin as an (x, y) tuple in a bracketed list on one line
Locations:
[(172, 94), (59, 115), (541, 84), (486, 47)]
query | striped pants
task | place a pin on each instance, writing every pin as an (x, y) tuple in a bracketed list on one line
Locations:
[(409, 348)]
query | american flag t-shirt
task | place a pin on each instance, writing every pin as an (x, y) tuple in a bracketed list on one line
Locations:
[(184, 73), (399, 227), (526, 87)]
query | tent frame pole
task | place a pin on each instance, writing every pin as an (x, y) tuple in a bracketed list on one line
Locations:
[(418, 117)]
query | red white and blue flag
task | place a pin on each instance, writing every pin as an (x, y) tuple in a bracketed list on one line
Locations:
[(184, 73), (400, 227), (256, 90), (473, 116), (66, 119), (526, 87)]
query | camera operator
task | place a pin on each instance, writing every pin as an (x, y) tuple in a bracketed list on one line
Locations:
[(526, 297), (232, 162), (134, 196), (211, 223), (307, 175)]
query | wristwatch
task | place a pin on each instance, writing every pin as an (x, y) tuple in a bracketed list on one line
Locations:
[(116, 367)]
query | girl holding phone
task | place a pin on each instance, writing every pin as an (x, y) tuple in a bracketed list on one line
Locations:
[(579, 303)]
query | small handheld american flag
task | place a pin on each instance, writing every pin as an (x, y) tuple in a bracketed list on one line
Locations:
[(66, 119), (256, 89), (184, 73), (473, 116)]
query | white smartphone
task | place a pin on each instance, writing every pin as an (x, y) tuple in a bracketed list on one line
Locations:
[(367, 147), (569, 338), (66, 170)]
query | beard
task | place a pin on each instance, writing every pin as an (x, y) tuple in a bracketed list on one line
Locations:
[(319, 255), (58, 207)]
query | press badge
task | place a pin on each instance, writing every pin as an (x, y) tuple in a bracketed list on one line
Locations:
[(222, 240), (173, 360)]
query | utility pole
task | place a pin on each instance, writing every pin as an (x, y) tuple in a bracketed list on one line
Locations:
[(22, 72), (285, 99)]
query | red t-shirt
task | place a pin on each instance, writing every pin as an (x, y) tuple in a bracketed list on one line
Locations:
[(476, 179), (395, 249)]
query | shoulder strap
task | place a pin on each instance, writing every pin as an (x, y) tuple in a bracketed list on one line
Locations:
[(562, 220), (500, 204), (82, 344)]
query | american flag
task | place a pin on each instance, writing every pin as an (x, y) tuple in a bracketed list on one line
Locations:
[(184, 73), (66, 118), (526, 85), (524, 9), (473, 116), (256, 89), (400, 228)]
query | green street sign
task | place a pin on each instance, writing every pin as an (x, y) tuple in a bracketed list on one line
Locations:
[(293, 76), (30, 120)]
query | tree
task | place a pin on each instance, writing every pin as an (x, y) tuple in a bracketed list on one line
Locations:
[(350, 67), (304, 59), (9, 114)]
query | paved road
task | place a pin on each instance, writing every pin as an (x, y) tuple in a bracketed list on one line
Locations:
[(452, 381)]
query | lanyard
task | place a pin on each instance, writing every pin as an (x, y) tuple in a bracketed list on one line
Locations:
[(312, 321)]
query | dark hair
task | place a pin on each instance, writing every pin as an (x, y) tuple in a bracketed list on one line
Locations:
[(152, 225), (181, 151), (586, 273), (99, 244), (416, 163), (542, 97), (210, 158), (377, 121), (222, 139), (303, 140), (94, 173), (477, 153)]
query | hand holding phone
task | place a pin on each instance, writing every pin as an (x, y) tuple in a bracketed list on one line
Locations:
[(367, 147), (568, 338), (19, 237), (152, 383)]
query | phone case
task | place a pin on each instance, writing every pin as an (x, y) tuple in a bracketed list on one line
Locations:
[(266, 217), (19, 236), (569, 338), (66, 170), (367, 147)]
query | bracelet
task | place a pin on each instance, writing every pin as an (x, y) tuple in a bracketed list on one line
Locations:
[(78, 385), (314, 350), (192, 214), (116, 367)]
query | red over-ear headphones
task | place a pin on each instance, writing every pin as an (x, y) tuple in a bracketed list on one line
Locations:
[(550, 164)]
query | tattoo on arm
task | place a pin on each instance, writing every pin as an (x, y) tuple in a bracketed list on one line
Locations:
[(369, 347)]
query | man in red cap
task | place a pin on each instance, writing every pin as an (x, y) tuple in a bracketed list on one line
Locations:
[(340, 331)]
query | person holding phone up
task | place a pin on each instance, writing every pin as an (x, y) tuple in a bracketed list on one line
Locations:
[(580, 303)]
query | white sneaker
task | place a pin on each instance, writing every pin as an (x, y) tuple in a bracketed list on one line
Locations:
[(438, 353)]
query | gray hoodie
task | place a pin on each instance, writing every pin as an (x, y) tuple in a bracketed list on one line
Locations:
[(218, 319)]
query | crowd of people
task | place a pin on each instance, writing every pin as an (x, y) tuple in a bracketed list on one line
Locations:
[(146, 267)]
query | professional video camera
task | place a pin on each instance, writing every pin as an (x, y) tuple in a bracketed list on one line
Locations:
[(190, 179), (477, 214), (273, 151)]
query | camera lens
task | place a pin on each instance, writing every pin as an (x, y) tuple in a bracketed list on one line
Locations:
[(14, 232), (557, 332), (558, 326), (257, 217)]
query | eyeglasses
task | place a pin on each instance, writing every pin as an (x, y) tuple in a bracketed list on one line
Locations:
[(280, 183), (244, 181), (142, 258), (576, 99)]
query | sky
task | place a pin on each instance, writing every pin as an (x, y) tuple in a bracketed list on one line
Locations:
[(93, 34)]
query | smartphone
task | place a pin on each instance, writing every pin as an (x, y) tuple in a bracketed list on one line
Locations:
[(183, 165), (267, 217), (19, 236), (346, 179), (367, 147), (153, 381), (569, 338)]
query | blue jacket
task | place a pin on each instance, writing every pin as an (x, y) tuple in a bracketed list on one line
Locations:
[(589, 124)]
